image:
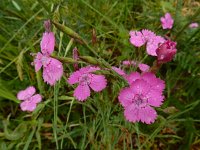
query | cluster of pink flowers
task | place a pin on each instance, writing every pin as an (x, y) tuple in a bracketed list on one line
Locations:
[(144, 91), (52, 69), (155, 45), (152, 41)]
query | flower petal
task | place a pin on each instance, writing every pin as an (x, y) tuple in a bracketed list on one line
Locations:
[(38, 61), (155, 83), (137, 38), (98, 82), (53, 71), (147, 34), (132, 77), (125, 97), (27, 93), (148, 76), (144, 67), (151, 49), (48, 42), (147, 114), (155, 98), (88, 69), (140, 86), (153, 44), (36, 98), (74, 77), (28, 106), (82, 92), (131, 113)]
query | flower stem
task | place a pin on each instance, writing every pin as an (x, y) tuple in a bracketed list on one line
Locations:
[(156, 66)]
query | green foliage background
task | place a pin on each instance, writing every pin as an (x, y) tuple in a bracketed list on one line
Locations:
[(60, 121)]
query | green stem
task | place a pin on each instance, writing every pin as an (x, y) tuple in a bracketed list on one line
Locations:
[(156, 66), (55, 106)]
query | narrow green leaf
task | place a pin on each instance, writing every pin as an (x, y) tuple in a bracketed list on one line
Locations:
[(5, 93), (16, 5), (29, 139), (19, 64)]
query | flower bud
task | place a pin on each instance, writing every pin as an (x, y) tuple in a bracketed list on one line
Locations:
[(166, 52), (89, 59), (47, 25), (75, 57)]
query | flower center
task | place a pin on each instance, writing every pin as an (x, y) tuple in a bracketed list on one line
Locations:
[(85, 79), (139, 100), (45, 60)]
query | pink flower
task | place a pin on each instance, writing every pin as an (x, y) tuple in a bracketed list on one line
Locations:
[(29, 99), (53, 71), (86, 80), (167, 21), (138, 100), (152, 41), (194, 25), (166, 51), (52, 68)]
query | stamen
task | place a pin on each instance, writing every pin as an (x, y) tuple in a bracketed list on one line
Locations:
[(85, 79), (138, 100)]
